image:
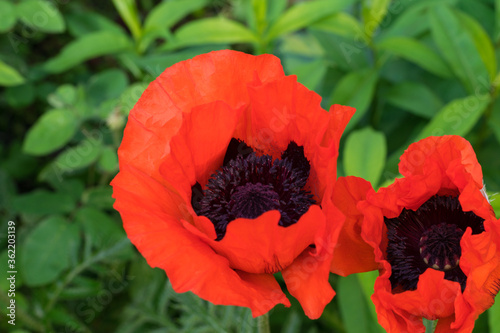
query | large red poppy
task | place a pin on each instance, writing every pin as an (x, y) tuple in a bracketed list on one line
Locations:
[(435, 238), (213, 140)]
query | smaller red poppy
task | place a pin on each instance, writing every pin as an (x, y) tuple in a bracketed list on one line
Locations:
[(434, 236)]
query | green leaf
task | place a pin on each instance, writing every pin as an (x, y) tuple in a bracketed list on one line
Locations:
[(47, 250), (103, 231), (364, 154), (411, 22), (9, 76), (482, 42), (106, 85), (341, 24), (130, 96), (64, 96), (373, 13), (497, 20), (78, 157), (457, 47), (41, 15), (353, 308), (128, 12), (211, 30), (494, 317), (275, 9), (41, 202), (168, 13), (84, 22), (87, 47), (99, 197), (457, 117), (416, 52), (356, 89), (20, 96), (304, 14), (50, 132), (7, 16), (414, 97), (367, 283), (310, 73), (342, 51), (108, 161)]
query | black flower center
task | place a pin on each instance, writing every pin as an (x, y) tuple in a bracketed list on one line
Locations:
[(440, 246), (428, 237), (248, 185), (251, 200)]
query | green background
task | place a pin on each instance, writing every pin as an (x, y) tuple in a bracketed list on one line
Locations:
[(70, 71)]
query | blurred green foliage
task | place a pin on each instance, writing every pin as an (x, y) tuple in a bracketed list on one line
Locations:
[(70, 71)]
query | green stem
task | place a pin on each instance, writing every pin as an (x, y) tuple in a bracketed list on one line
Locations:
[(263, 324), (429, 325)]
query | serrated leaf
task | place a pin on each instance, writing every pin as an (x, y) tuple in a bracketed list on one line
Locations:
[(87, 47), (47, 250), (304, 14), (356, 89), (211, 30), (7, 16), (416, 52), (9, 76), (457, 117), (414, 97), (41, 202), (41, 15), (457, 47), (50, 132), (364, 154)]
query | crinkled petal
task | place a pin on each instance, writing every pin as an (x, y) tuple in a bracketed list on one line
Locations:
[(152, 220), (352, 254)]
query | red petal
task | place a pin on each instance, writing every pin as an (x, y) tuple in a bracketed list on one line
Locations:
[(197, 150), (262, 246), (352, 254), (152, 218)]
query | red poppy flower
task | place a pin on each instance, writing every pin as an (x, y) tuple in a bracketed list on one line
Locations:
[(435, 238), (225, 166)]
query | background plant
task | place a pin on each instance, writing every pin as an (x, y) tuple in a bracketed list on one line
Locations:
[(70, 71)]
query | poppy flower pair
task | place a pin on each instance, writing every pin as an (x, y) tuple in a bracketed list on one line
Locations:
[(228, 176)]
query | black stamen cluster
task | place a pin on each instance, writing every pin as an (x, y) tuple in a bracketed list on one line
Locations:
[(248, 185), (428, 237)]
